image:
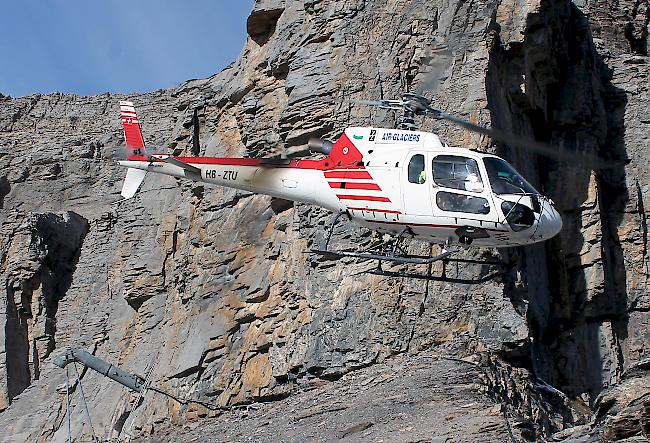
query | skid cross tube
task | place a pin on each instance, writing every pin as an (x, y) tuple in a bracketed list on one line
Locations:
[(396, 254), (392, 257), (331, 230), (399, 238)]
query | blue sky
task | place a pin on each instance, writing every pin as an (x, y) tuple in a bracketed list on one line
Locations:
[(94, 46)]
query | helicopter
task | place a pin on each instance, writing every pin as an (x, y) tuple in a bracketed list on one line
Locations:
[(403, 182)]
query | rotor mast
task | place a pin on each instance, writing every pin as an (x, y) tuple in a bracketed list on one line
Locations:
[(411, 105)]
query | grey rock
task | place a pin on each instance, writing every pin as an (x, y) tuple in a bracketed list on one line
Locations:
[(213, 291)]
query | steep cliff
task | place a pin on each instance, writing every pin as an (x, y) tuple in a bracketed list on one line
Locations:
[(211, 291)]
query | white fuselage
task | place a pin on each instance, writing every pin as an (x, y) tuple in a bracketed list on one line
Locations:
[(374, 186)]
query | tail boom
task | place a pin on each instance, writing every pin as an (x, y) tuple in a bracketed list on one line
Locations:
[(301, 180), (296, 182)]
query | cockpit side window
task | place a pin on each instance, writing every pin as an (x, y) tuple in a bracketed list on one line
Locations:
[(505, 179), (462, 173), (416, 171)]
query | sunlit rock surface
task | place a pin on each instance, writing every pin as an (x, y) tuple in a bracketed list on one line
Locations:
[(212, 294)]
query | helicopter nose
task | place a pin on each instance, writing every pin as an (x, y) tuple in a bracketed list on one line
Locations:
[(550, 221)]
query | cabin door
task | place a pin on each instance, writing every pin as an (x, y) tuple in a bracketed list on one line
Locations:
[(416, 187), (460, 191)]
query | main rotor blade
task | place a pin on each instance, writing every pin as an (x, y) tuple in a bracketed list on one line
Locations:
[(441, 59), (531, 145), (385, 104), (367, 102)]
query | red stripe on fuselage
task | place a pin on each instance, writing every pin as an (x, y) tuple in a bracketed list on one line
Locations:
[(348, 174), (354, 185), (370, 198), (220, 161)]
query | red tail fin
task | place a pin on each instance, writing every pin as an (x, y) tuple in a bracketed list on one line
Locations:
[(132, 132)]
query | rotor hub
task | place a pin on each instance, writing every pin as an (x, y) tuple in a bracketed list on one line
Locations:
[(415, 103), (412, 105)]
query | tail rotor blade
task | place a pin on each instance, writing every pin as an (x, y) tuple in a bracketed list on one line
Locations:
[(367, 102), (196, 147)]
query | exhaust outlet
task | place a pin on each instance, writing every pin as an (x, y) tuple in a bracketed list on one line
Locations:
[(320, 145)]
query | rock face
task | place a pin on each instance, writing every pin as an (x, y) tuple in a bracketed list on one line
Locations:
[(209, 293), (411, 398), (42, 254)]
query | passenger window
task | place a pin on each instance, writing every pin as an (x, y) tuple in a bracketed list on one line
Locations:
[(462, 173), (416, 171), (452, 202)]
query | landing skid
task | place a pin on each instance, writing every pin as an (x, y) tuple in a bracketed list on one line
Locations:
[(399, 256), (406, 259), (443, 276)]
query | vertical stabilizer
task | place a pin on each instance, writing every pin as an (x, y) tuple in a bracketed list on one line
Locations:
[(132, 133), (134, 147)]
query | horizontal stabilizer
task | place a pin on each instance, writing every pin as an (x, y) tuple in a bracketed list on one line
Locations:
[(180, 164)]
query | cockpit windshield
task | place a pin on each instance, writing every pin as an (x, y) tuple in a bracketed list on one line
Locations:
[(504, 178)]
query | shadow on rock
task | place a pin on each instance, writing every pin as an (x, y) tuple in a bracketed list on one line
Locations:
[(553, 86)]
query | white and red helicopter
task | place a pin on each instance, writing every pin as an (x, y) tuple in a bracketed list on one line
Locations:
[(402, 182)]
